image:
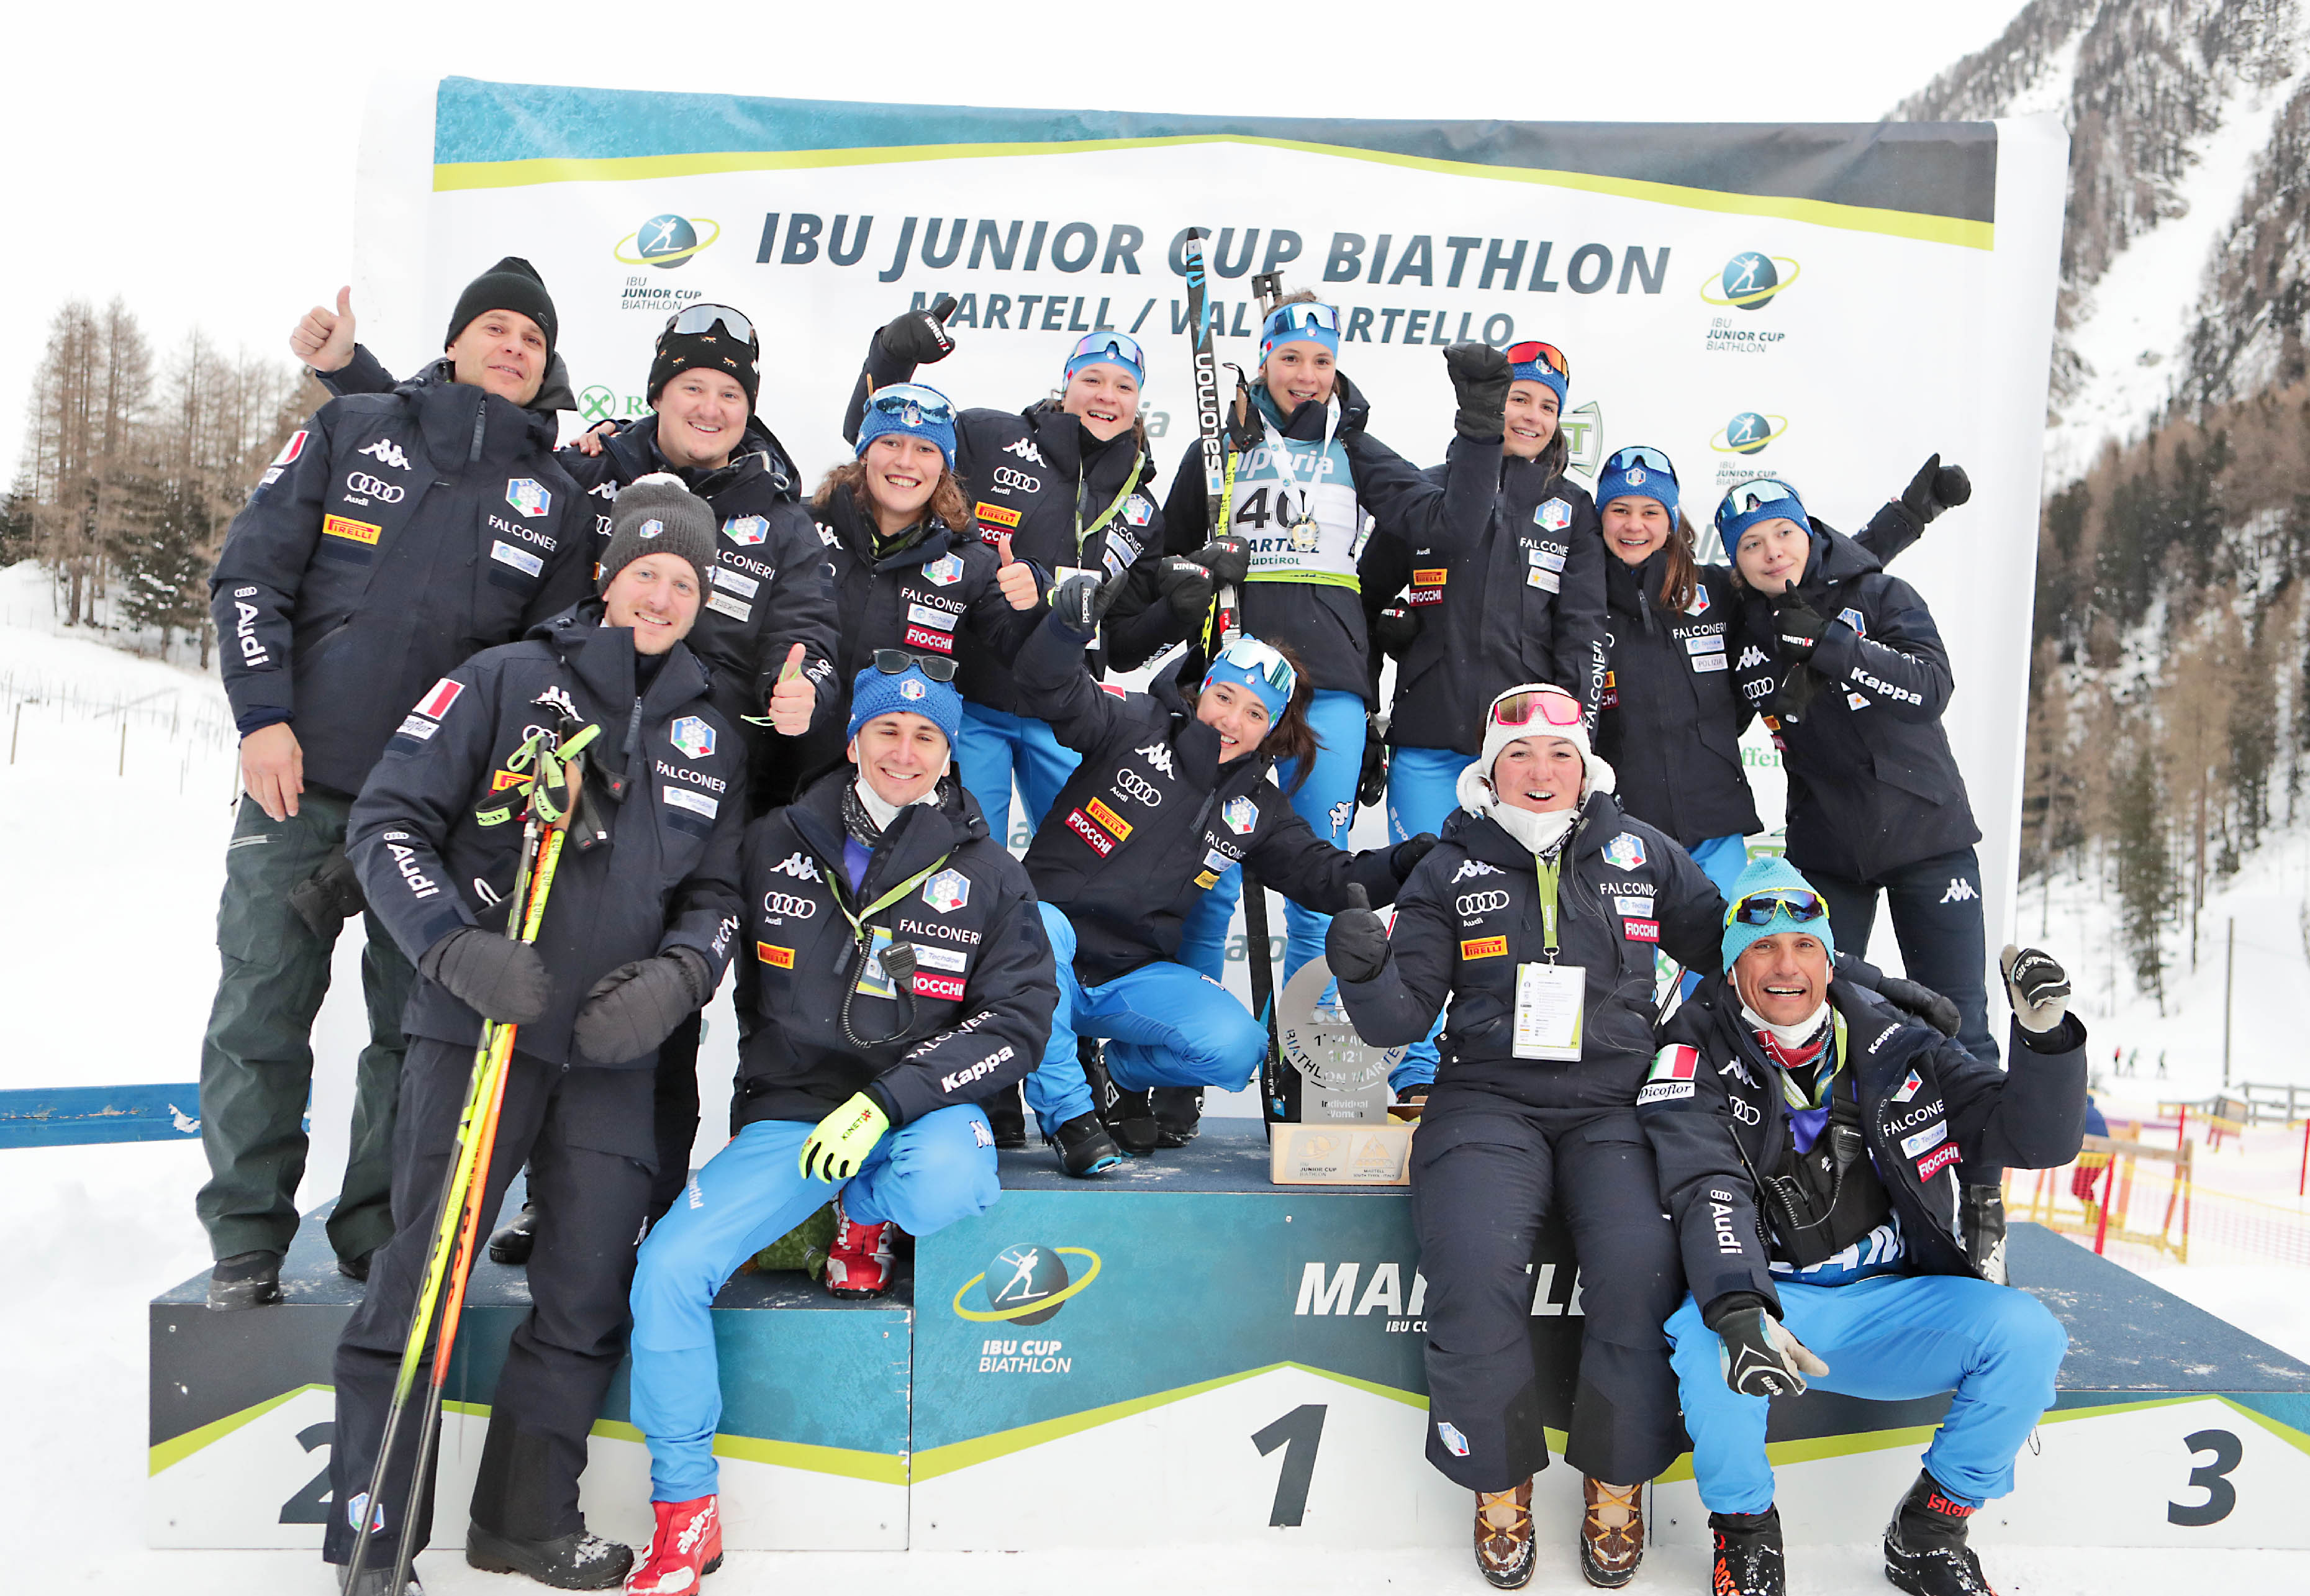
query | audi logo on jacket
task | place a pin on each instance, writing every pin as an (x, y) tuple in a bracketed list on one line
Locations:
[(334, 609), (977, 1013), (1125, 869), (667, 875), (1922, 1096), (1470, 914)]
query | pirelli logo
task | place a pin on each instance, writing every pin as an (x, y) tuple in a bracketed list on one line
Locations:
[(999, 515), (500, 780), (1432, 578), (1484, 948), (1107, 817), (359, 531), (777, 959)]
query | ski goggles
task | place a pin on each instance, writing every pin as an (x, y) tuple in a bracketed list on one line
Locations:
[(897, 662), (1109, 349), (1638, 458), (1760, 499), (1522, 707), (1308, 320), (1758, 908), (698, 320), (910, 405), (1533, 353), (1249, 663)]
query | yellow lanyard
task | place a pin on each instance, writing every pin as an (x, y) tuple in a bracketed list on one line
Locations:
[(858, 934), (1551, 878), (1083, 534)]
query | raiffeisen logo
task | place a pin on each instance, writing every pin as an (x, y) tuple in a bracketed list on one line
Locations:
[(666, 241), (1749, 280), (1748, 433), (1027, 1284)]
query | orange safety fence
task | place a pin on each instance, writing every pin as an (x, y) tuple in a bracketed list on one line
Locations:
[(2141, 1202)]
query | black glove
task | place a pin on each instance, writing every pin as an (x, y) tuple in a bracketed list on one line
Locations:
[(329, 896), (1759, 1356), (1356, 945), (1082, 599), (1228, 560), (1796, 625), (1480, 377), (1934, 489), (1187, 586), (1923, 1002), (1371, 781), (1394, 629), (498, 978), (635, 1006), (919, 337), (2037, 987), (1405, 857)]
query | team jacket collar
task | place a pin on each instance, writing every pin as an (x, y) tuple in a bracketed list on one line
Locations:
[(446, 414), (635, 449), (925, 540), (602, 660), (1197, 746), (1306, 422), (922, 832), (1482, 837)]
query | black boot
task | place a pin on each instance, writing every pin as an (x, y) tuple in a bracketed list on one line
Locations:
[(1926, 1553), (1084, 1147), (510, 1247), (376, 1575), (1009, 1118), (577, 1561), (1178, 1114), (357, 1268), (1747, 1554), (245, 1280), (1131, 1121)]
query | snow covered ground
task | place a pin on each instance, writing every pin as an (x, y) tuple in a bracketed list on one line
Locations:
[(108, 958)]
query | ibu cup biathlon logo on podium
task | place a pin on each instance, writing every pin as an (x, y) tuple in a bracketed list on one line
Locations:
[(1751, 281), (666, 241), (1027, 1284)]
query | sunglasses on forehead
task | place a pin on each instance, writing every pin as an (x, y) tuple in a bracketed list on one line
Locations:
[(1120, 346), (912, 404), (1533, 353), (897, 662), (1638, 458), (699, 319), (1747, 498), (1758, 908), (1535, 707)]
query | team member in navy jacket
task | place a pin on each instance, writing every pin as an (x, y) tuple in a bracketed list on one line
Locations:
[(1171, 796), (1543, 900), (1299, 501), (1672, 714), (1070, 481), (637, 932), (391, 538), (1846, 665), (904, 977), (1811, 1144)]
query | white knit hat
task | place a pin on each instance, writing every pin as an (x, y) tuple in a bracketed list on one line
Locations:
[(1557, 714)]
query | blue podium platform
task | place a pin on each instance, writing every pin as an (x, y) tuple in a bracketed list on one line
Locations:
[(1233, 1359)]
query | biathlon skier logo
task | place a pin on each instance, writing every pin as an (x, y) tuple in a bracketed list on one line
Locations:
[(1748, 433), (1749, 280), (666, 241), (1026, 1284)]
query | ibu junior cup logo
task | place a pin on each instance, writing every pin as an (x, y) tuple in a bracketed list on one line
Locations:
[(1749, 280), (1027, 1284), (1748, 433), (666, 241)]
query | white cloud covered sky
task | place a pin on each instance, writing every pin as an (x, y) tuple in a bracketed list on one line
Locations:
[(199, 161)]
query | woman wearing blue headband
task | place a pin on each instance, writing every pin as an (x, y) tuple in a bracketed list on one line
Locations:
[(1172, 794), (1298, 499)]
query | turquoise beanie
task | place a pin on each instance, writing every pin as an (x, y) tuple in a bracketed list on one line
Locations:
[(1767, 873)]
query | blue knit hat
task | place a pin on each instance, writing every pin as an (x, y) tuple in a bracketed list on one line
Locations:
[(877, 692), (1119, 350), (1548, 365), (1638, 472), (1769, 873), (912, 408), (1303, 321), (1759, 499), (1255, 667)]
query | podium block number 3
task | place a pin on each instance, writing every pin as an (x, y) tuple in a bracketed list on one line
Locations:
[(2221, 1496), (1298, 1432)]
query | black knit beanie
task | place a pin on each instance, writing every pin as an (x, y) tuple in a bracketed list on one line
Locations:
[(717, 350), (512, 284)]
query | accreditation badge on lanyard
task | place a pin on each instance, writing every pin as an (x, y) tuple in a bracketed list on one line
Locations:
[(1549, 998)]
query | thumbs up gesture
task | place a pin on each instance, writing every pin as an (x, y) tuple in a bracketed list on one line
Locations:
[(1017, 577), (324, 339), (792, 699), (1355, 943)]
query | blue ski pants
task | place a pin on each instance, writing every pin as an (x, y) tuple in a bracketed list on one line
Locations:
[(993, 748)]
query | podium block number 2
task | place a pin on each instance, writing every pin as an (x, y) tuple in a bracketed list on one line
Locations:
[(1298, 1432), (2221, 1496)]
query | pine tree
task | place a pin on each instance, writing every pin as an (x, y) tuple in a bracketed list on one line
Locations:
[(2145, 885)]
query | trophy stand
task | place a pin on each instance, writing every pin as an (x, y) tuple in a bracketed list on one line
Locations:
[(1344, 1136)]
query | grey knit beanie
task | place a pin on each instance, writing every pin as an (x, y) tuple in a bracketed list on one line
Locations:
[(656, 515)]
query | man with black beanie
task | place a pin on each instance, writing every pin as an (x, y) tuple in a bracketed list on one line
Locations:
[(392, 535)]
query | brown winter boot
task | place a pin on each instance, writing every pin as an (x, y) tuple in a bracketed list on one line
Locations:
[(1611, 1532), (1504, 1548)]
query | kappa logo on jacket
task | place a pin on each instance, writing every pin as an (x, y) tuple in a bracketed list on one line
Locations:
[(799, 865), (1158, 755), (1026, 450), (1753, 656), (1473, 867), (1959, 891), (386, 452)]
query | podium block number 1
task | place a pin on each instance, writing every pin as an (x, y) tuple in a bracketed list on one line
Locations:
[(1298, 1432)]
